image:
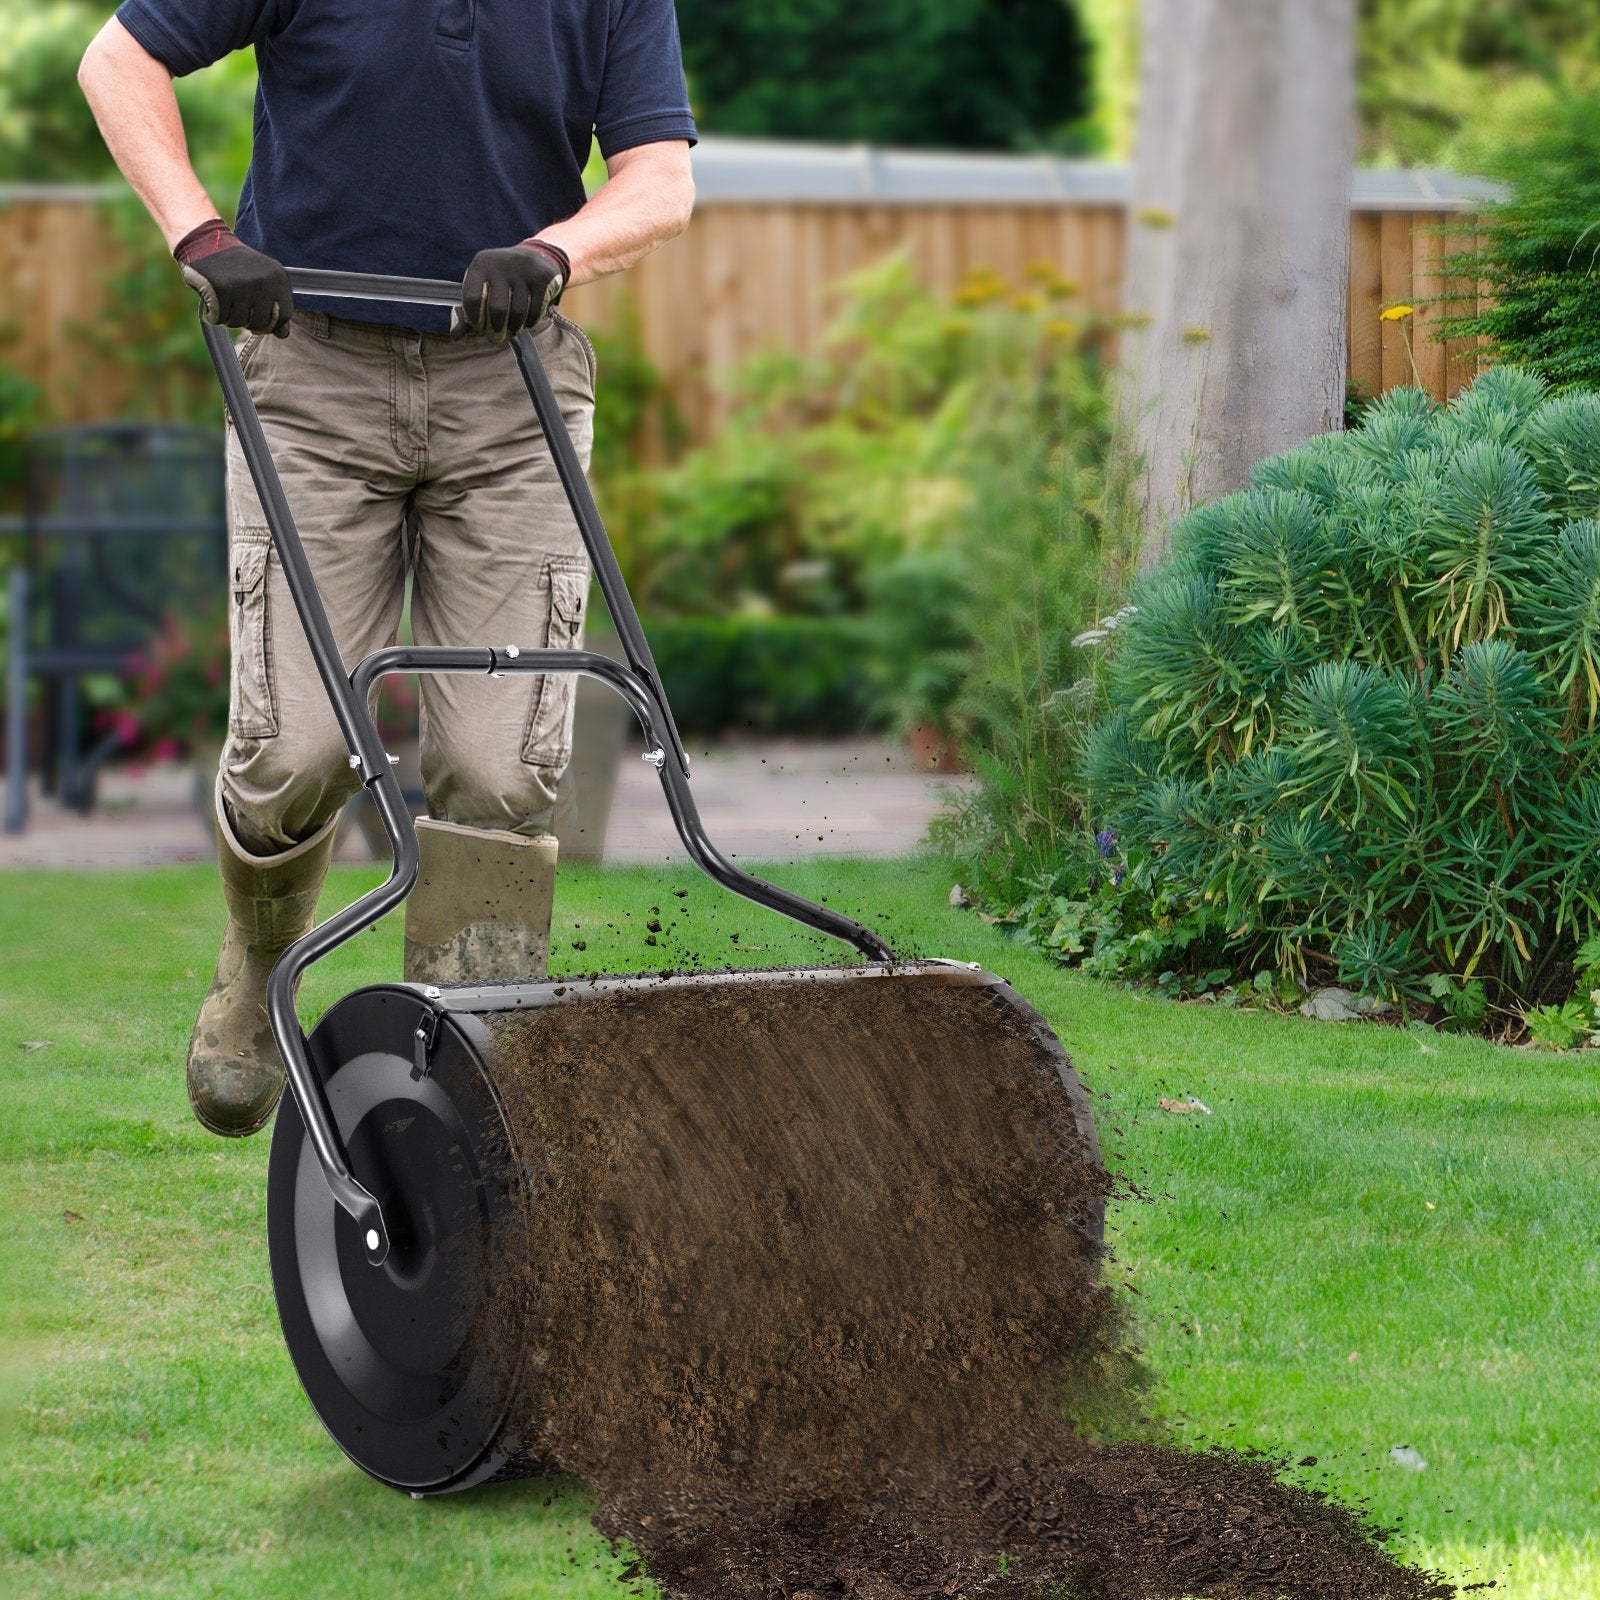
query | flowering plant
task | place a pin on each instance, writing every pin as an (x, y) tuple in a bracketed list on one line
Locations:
[(177, 689), (177, 692)]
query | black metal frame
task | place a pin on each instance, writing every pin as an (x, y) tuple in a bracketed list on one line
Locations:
[(637, 682)]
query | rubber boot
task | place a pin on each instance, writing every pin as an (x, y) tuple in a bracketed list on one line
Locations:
[(235, 1075), (480, 912)]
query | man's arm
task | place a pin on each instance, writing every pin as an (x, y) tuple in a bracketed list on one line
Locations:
[(130, 93), (646, 200)]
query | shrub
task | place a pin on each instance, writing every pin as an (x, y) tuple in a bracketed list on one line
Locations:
[(862, 482), (47, 132), (1356, 714), (1048, 526), (1540, 255), (834, 466), (767, 674)]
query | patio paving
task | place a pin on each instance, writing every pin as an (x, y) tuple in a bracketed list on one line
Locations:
[(779, 800)]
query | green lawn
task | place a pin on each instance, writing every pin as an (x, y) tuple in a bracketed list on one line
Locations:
[(1378, 1238)]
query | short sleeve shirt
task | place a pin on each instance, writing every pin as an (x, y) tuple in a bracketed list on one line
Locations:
[(403, 136)]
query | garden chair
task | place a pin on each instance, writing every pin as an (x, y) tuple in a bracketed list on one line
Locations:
[(125, 525)]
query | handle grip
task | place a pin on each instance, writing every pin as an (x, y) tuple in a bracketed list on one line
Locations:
[(374, 286)]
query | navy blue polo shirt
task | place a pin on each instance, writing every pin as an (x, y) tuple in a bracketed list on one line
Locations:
[(403, 136)]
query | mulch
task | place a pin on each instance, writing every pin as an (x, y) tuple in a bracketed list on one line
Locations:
[(815, 1303)]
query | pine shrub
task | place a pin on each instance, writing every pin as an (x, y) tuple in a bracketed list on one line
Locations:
[(1539, 260), (1355, 716)]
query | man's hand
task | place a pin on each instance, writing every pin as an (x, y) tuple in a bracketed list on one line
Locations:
[(238, 287), (506, 291)]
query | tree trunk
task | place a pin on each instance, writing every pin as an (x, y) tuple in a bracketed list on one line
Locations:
[(1238, 244)]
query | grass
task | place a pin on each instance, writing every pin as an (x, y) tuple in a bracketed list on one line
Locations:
[(1380, 1237)]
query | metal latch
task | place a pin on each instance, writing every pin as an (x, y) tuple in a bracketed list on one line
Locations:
[(425, 1038)]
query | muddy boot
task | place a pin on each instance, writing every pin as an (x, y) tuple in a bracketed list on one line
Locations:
[(480, 912), (235, 1076)]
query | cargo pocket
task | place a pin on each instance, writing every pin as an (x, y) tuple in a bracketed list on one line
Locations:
[(547, 740), (252, 708)]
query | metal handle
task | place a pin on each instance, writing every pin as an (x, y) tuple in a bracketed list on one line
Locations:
[(370, 286), (638, 683)]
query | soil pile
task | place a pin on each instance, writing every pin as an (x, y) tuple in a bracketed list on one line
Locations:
[(814, 1278)]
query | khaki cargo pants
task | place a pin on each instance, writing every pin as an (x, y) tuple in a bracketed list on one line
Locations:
[(372, 427)]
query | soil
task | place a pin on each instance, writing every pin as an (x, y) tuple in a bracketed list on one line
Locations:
[(814, 1301)]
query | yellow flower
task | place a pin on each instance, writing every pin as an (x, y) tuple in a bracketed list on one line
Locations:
[(1155, 217), (1061, 328), (1196, 335), (1027, 302), (1397, 313), (979, 286)]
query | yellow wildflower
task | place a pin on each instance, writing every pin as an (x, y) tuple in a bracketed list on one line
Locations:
[(1397, 313)]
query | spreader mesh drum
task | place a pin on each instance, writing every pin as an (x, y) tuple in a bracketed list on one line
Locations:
[(656, 1182)]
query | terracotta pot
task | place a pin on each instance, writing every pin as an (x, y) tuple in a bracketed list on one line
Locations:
[(933, 750)]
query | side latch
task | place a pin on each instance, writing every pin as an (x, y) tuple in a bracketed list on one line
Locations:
[(425, 1038)]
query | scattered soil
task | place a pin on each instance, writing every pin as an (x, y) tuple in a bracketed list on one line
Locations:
[(814, 1302)]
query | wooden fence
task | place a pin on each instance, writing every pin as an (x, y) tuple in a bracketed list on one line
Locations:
[(749, 276)]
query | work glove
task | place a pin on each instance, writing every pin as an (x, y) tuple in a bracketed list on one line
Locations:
[(238, 287), (506, 291)]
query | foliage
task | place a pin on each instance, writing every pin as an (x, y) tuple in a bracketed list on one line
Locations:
[(1539, 258), (966, 74), (177, 689), (47, 133), (1356, 714), (172, 698), (1437, 77), (21, 413), (1559, 1027), (850, 483), (1050, 524), (636, 410), (767, 674), (157, 334)]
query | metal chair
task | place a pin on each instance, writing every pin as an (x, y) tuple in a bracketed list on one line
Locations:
[(125, 524)]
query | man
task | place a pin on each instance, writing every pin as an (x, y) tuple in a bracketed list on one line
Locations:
[(419, 138)]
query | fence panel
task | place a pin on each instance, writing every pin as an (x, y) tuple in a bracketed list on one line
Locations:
[(752, 276)]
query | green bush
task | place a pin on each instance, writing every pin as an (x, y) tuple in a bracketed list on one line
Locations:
[(833, 466), (1354, 719), (861, 481), (1048, 528), (1540, 255), (47, 132), (767, 674)]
